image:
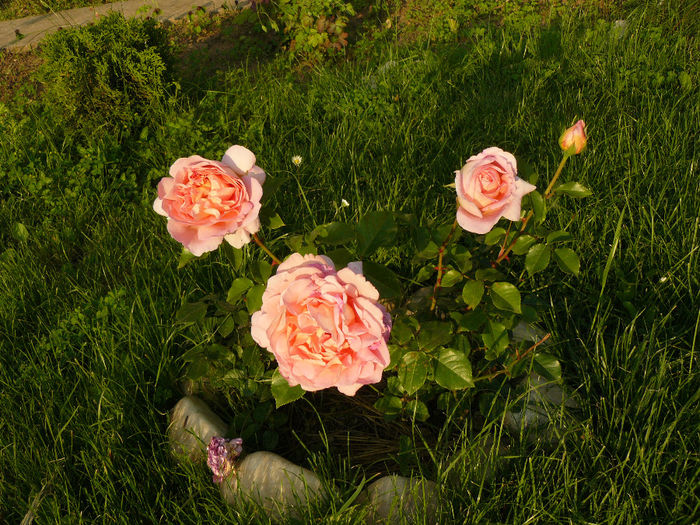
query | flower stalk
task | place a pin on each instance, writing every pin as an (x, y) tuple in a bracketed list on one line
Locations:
[(433, 301), (259, 242)]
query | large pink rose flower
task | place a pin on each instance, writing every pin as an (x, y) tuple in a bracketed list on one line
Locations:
[(488, 188), (325, 327), (208, 201)]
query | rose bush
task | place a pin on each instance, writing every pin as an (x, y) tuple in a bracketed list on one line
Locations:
[(488, 188), (325, 327), (208, 201)]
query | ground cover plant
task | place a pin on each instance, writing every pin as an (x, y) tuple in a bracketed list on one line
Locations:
[(11, 9), (91, 360)]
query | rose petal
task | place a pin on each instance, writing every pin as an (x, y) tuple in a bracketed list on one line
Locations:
[(239, 158)]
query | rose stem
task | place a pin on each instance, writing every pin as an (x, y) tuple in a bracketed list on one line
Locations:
[(518, 359), (265, 248), (547, 195), (439, 277)]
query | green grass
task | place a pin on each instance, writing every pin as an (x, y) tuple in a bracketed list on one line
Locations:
[(90, 360)]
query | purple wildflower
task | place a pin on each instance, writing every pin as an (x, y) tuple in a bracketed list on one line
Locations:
[(221, 454)]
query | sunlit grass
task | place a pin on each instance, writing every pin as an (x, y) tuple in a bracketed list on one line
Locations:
[(89, 359)]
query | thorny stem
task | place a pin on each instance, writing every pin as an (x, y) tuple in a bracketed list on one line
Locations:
[(439, 277), (547, 194), (518, 358), (265, 249)]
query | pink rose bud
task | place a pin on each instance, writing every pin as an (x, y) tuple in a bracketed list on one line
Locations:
[(326, 328), (573, 140), (207, 201), (488, 188)]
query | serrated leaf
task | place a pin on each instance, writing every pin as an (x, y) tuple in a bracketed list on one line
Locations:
[(573, 189), (376, 229), (197, 369), (461, 257), (253, 298), (472, 321), (537, 258), (413, 371), (386, 281), (453, 370), (523, 244), (388, 405), (433, 334), (261, 271), (417, 409), (191, 312), (282, 392), (472, 293), (567, 260), (341, 257), (558, 236), (238, 288), (334, 233), (401, 332), (186, 257), (489, 274), (539, 207), (506, 296), (275, 222), (547, 366), (494, 236), (425, 273), (226, 327), (450, 278), (495, 339), (234, 255)]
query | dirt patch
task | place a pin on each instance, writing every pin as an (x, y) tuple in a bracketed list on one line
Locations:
[(16, 70)]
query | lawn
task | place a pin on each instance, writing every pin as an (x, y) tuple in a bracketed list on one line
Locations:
[(91, 358)]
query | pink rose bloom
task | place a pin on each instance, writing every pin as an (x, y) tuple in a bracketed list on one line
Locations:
[(325, 327), (573, 140), (207, 201), (488, 188)]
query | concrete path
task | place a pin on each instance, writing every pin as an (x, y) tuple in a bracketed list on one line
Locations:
[(25, 33)]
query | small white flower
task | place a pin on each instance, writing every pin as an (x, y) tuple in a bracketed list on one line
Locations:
[(344, 203), (296, 160)]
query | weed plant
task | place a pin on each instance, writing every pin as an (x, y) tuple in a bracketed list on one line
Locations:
[(90, 358)]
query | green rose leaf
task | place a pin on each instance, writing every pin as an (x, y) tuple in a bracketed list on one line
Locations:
[(453, 370), (494, 236), (341, 257), (523, 244), (417, 409), (460, 257), (489, 274), (558, 236), (191, 312), (376, 229), (538, 206), (254, 298), (495, 339), (472, 293), (425, 273), (537, 258), (450, 278), (567, 260), (386, 281), (334, 233), (547, 366), (433, 334), (573, 189), (275, 222), (412, 371), (186, 257), (282, 392), (234, 255), (238, 288), (261, 271), (506, 297), (388, 405)]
